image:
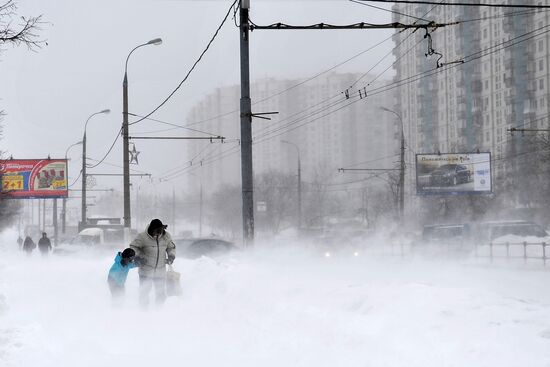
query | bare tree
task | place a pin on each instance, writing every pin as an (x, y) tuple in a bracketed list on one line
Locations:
[(22, 32), (16, 31), (278, 191)]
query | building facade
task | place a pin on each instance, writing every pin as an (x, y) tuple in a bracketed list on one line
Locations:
[(314, 118), (484, 76)]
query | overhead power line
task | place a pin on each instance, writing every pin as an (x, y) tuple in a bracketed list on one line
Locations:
[(109, 151), (354, 99), (192, 67), (361, 25), (525, 6), (388, 10)]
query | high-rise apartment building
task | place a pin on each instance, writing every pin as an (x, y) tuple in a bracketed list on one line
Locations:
[(329, 130), (492, 76)]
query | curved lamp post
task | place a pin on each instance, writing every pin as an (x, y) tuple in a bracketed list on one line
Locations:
[(299, 182), (64, 209), (402, 170), (125, 134), (84, 177)]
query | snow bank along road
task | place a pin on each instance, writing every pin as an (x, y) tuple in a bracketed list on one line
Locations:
[(280, 307)]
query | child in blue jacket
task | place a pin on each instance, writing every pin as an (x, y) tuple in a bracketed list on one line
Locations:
[(124, 261)]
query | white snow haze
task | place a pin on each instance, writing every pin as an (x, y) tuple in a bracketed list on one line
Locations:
[(277, 305)]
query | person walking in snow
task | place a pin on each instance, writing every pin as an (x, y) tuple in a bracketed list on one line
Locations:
[(155, 249), (44, 244), (28, 245), (118, 273)]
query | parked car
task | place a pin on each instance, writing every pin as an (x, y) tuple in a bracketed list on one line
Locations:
[(453, 232), (490, 231), (450, 175), (459, 233), (193, 248)]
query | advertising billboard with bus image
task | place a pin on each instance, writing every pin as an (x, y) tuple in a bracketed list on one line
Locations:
[(453, 173), (34, 178)]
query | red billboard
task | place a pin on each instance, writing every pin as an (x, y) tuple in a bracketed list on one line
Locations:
[(34, 178)]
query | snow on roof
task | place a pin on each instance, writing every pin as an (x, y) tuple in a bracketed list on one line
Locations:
[(91, 232)]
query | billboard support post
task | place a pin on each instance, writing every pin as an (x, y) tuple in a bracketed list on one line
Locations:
[(43, 215), (55, 233)]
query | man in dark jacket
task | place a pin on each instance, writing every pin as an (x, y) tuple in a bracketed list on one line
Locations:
[(154, 248), (28, 245), (44, 244)]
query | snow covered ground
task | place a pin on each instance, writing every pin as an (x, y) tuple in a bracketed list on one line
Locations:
[(280, 306)]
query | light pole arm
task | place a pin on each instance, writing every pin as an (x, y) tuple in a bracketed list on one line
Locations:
[(70, 146), (86, 124), (128, 58)]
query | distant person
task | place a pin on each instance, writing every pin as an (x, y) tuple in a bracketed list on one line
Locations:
[(44, 244), (28, 245), (155, 249), (124, 261), (20, 243)]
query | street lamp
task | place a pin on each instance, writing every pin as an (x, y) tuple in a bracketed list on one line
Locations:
[(84, 177), (64, 210), (402, 169), (125, 135), (299, 182)]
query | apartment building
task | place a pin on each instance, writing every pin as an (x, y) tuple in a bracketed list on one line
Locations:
[(492, 76), (314, 118)]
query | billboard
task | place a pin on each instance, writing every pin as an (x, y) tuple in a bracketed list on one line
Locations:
[(34, 178), (453, 174)]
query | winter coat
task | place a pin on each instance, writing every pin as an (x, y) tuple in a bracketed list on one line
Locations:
[(118, 272), (29, 244), (44, 244), (153, 253)]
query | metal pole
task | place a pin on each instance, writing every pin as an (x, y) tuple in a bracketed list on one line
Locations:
[(402, 176), (84, 179), (55, 222), (126, 153), (43, 215), (125, 136), (246, 129), (402, 167), (63, 215), (200, 212), (173, 210), (299, 192)]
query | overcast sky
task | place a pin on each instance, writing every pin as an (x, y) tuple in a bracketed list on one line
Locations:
[(49, 94)]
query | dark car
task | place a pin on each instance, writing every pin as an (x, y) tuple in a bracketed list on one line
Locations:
[(446, 233), (450, 175), (193, 248)]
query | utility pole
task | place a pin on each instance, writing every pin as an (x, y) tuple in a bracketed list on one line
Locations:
[(174, 210), (125, 136), (84, 179), (402, 166), (299, 181), (84, 174), (246, 129), (299, 193), (43, 215), (402, 178), (200, 211), (63, 215), (126, 151)]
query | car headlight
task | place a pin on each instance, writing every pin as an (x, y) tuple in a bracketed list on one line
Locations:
[(356, 254), (327, 254)]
